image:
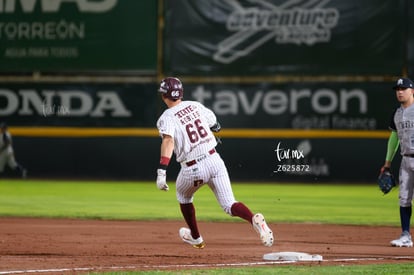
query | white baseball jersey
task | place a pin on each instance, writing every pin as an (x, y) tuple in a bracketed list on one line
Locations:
[(189, 124), (6, 155), (403, 122), (6, 138)]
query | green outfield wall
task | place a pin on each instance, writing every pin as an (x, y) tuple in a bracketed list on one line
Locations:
[(276, 131), (301, 88), (136, 158)]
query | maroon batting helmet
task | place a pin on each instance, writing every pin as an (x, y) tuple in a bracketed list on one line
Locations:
[(172, 88)]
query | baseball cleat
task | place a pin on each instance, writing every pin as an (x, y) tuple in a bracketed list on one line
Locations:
[(185, 235), (403, 241), (259, 224)]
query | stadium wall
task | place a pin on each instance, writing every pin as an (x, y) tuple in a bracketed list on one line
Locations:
[(302, 88)]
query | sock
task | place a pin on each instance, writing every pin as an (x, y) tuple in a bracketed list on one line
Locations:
[(405, 217), (188, 212), (240, 210)]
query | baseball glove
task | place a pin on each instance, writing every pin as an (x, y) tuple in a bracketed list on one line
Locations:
[(386, 181)]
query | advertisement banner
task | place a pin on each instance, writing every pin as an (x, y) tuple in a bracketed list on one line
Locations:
[(331, 105), (86, 105), (285, 37), (298, 106), (78, 35)]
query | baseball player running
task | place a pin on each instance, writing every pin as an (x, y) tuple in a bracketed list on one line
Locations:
[(7, 152), (186, 130), (402, 126)]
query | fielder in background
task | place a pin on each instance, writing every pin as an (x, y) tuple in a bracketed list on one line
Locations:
[(7, 153), (186, 130), (402, 133)]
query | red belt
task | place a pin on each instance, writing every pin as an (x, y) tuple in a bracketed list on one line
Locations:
[(192, 162)]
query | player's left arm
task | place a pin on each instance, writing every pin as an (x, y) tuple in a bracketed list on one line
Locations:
[(392, 147), (216, 127), (213, 123)]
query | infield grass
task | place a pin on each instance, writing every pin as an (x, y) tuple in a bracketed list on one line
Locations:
[(377, 269), (335, 204)]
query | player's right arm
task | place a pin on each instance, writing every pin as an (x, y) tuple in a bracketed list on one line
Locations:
[(167, 147)]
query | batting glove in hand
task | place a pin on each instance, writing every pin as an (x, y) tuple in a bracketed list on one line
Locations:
[(162, 180)]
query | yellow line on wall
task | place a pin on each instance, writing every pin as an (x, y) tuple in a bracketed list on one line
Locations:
[(230, 133), (289, 133), (82, 132)]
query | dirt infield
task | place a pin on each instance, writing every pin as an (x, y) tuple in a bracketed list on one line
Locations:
[(58, 246)]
